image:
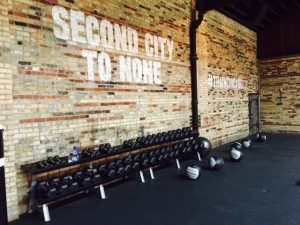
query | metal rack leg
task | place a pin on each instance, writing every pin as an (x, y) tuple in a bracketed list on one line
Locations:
[(142, 177), (102, 191), (46, 213), (31, 196)]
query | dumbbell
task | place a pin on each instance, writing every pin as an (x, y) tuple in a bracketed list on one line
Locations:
[(120, 168), (78, 176), (50, 188), (43, 164), (87, 153), (237, 146), (261, 137), (216, 163), (68, 184), (103, 170), (128, 143), (41, 190), (141, 141), (104, 148)]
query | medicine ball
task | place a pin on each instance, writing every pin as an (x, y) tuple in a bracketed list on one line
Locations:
[(193, 172), (261, 137), (236, 155), (205, 146), (237, 146), (216, 163), (246, 143)]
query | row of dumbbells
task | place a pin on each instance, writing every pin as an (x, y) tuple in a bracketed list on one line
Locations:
[(106, 148), (119, 168), (140, 142)]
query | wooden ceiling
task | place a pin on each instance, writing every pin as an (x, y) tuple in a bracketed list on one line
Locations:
[(257, 15), (276, 22)]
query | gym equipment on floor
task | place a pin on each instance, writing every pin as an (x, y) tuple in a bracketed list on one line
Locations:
[(193, 172), (236, 155), (216, 163)]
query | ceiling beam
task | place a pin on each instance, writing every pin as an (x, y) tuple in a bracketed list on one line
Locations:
[(261, 13)]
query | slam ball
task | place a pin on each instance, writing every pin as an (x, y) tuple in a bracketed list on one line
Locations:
[(237, 146), (261, 137), (246, 143), (216, 163), (236, 155), (193, 172)]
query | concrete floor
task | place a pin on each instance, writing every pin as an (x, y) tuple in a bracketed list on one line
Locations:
[(260, 190)]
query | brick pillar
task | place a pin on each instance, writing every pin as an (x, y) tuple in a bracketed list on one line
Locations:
[(6, 111)]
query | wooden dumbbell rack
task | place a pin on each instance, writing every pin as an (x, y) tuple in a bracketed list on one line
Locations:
[(34, 172)]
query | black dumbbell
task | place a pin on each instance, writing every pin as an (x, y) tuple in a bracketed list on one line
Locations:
[(72, 184), (43, 164), (145, 163), (119, 163), (127, 160), (144, 155), (103, 170), (141, 141), (78, 176), (137, 158), (152, 160), (86, 153), (136, 166), (111, 165), (120, 171), (128, 143), (87, 181), (104, 148), (127, 168), (151, 154), (41, 189)]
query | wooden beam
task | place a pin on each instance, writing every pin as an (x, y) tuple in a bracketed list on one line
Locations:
[(261, 13)]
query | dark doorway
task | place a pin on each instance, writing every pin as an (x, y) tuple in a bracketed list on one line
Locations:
[(253, 113)]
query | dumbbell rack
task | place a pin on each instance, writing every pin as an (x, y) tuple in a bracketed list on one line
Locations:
[(33, 171)]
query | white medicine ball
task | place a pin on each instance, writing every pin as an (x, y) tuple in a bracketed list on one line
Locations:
[(236, 155), (246, 143), (193, 172)]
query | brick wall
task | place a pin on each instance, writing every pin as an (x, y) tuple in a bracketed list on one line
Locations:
[(279, 91), (58, 107), (227, 49), (7, 110), (50, 104)]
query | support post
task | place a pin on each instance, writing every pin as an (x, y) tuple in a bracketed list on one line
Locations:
[(46, 213), (151, 173), (142, 176), (102, 192), (3, 204)]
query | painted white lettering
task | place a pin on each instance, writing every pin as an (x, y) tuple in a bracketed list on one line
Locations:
[(104, 67), (92, 25), (148, 71), (137, 70), (106, 32), (155, 45), (133, 43), (77, 21), (125, 69), (149, 41), (162, 42), (170, 45), (157, 72), (120, 37), (90, 56), (61, 29)]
